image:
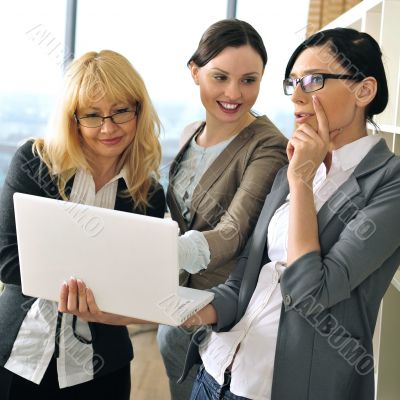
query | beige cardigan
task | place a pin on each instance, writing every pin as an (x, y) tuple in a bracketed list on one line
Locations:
[(229, 197)]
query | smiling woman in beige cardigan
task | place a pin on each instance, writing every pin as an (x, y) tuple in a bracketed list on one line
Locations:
[(222, 173)]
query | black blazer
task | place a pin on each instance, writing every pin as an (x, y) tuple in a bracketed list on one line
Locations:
[(28, 174)]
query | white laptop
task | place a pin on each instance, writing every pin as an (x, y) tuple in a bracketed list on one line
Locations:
[(128, 260)]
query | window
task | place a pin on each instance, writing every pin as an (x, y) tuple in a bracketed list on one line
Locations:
[(33, 57), (158, 41), (282, 27), (157, 36)]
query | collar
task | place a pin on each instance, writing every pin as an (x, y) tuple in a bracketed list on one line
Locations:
[(87, 175), (210, 149), (122, 174), (351, 154), (347, 157)]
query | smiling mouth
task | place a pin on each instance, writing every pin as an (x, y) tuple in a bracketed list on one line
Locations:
[(111, 141), (228, 107)]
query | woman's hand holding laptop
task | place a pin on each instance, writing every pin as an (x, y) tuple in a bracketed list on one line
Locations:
[(76, 298), (205, 316)]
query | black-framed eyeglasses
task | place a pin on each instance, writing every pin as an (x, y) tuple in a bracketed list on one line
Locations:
[(313, 82), (118, 118)]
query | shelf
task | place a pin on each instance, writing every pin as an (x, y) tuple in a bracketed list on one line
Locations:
[(380, 18), (389, 43), (390, 128), (396, 280), (353, 17)]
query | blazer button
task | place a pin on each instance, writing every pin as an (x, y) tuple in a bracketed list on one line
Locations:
[(287, 300)]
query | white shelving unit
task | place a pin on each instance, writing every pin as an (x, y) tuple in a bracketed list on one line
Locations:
[(381, 19)]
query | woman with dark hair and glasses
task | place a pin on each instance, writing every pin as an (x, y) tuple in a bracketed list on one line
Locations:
[(103, 151), (296, 317)]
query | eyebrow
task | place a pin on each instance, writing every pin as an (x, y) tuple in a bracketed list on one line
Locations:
[(112, 106), (227, 73), (310, 71)]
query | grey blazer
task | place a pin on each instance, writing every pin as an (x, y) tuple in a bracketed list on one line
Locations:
[(331, 298), (229, 197)]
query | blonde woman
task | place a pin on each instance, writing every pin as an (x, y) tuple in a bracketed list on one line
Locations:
[(104, 151)]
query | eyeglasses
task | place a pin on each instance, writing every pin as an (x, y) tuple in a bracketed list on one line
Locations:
[(313, 82), (118, 118)]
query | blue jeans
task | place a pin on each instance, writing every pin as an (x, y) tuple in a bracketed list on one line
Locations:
[(173, 343), (207, 388)]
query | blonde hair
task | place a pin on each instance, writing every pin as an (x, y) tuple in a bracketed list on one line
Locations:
[(88, 79)]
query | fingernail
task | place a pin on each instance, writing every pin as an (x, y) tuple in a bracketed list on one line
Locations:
[(72, 278), (315, 99), (79, 281), (65, 284)]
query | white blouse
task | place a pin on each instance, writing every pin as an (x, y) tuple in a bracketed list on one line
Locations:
[(250, 344), (35, 343)]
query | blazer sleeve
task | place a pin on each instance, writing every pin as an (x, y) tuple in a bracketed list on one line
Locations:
[(230, 235), (369, 241), (25, 176), (226, 295)]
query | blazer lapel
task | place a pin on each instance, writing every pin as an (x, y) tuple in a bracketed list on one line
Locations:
[(177, 160), (175, 209), (272, 202), (171, 198), (217, 168), (68, 186), (123, 203), (336, 203)]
